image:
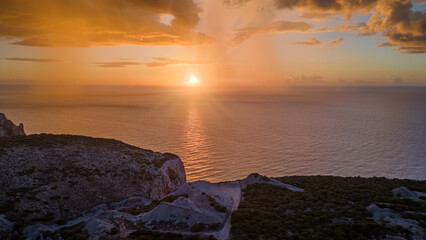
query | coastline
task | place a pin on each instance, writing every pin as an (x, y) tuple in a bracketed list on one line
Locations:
[(195, 209)]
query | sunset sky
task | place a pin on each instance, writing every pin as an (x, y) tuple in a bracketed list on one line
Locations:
[(223, 43)]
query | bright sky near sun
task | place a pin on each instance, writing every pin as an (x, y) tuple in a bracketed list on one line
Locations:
[(220, 43)]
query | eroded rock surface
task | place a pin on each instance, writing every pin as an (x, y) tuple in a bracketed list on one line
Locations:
[(49, 180), (7, 128), (203, 208)]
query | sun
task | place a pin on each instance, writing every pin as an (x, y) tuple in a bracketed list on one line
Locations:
[(193, 80)]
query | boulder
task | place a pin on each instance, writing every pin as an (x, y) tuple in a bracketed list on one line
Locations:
[(403, 192)]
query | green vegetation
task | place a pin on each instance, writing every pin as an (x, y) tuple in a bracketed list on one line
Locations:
[(330, 208), (146, 208), (217, 206)]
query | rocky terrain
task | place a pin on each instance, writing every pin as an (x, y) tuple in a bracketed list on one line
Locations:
[(48, 180), (7, 128)]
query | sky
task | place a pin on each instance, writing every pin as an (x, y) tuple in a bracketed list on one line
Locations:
[(223, 43)]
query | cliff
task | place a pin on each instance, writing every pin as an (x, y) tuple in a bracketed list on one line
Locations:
[(48, 180), (7, 128)]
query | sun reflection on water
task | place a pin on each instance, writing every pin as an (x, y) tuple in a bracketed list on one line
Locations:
[(195, 143)]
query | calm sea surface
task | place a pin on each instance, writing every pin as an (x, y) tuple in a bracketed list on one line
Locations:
[(304, 131)]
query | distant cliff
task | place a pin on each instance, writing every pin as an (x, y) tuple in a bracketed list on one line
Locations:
[(7, 128), (47, 180)]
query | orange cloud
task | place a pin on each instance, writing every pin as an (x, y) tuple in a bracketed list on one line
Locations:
[(81, 23), (162, 62), (116, 64), (314, 41), (310, 42), (241, 35), (394, 19), (318, 16), (401, 25)]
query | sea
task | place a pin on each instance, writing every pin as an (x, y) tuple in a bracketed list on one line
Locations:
[(221, 136)]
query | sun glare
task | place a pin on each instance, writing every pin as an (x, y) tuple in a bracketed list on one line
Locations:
[(193, 80)]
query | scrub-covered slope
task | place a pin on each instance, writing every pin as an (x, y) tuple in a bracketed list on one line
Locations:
[(333, 208)]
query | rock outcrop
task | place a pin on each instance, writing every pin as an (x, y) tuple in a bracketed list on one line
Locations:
[(47, 181), (392, 218), (202, 207), (403, 192), (7, 128)]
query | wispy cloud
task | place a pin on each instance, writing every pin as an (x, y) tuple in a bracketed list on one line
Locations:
[(310, 42), (38, 60), (240, 35), (314, 41), (306, 80), (116, 64), (162, 62)]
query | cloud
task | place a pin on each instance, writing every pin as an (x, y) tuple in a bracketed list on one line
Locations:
[(162, 62), (235, 2), (302, 79), (129, 59), (81, 23), (240, 35), (116, 64), (348, 7), (38, 60), (385, 44), (318, 16), (400, 24), (310, 42), (336, 42), (398, 80), (395, 20), (314, 41)]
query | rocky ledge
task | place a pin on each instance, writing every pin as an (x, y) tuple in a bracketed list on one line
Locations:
[(7, 128)]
